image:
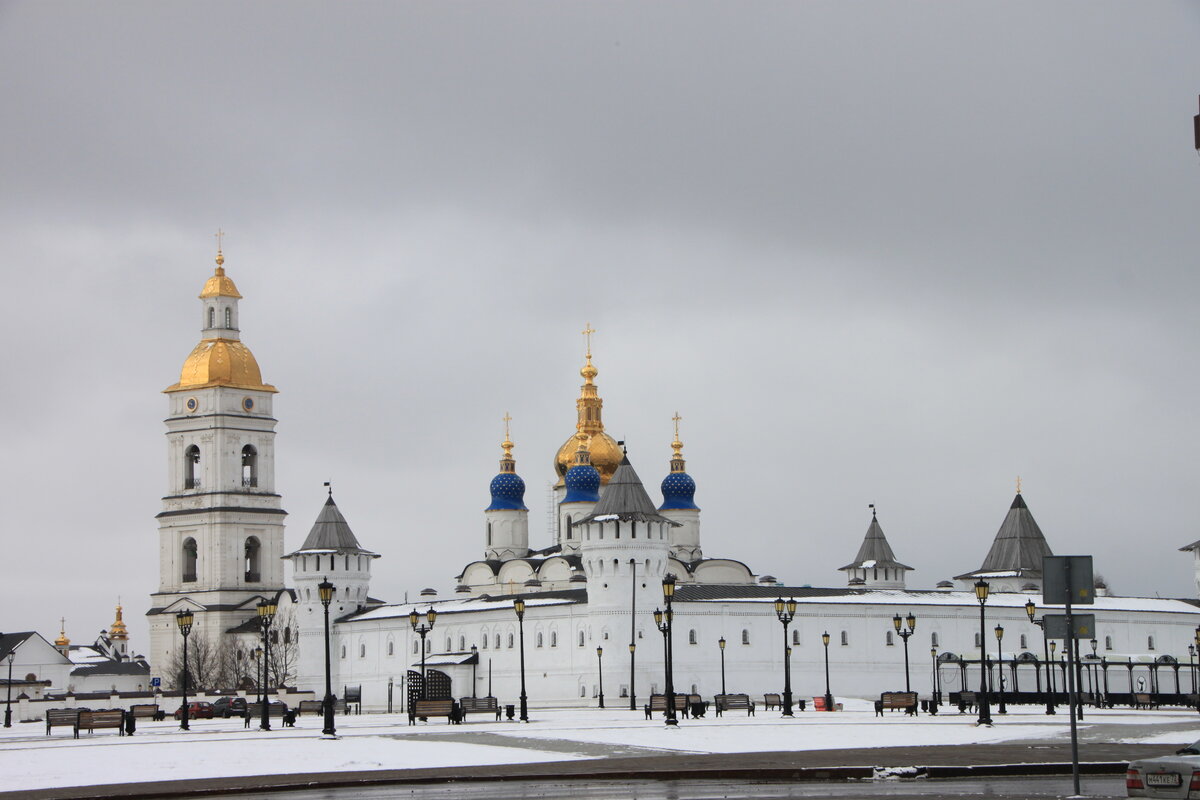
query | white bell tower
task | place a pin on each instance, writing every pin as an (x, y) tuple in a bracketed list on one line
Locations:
[(221, 526)]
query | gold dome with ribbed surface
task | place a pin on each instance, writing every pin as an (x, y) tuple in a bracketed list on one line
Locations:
[(606, 454), (220, 362)]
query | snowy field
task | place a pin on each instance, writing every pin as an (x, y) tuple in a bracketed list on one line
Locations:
[(224, 748)]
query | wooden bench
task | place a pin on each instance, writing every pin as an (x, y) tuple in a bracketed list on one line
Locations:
[(819, 705), (314, 706), (422, 709), (906, 701), (91, 720), (147, 711), (725, 702), (62, 718), (697, 705), (658, 702), (1143, 700), (967, 702), (478, 705)]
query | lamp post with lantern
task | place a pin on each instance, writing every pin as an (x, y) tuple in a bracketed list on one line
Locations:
[(933, 700), (721, 645), (184, 620), (828, 694), (266, 615), (600, 672), (1030, 609), (519, 608), (981, 594), (1000, 666), (257, 653), (474, 668), (422, 629), (8, 699), (325, 593), (904, 632), (786, 612)]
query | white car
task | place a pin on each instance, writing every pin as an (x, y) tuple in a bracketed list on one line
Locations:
[(1166, 776)]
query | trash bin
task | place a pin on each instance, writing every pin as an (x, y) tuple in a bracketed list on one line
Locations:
[(510, 712)]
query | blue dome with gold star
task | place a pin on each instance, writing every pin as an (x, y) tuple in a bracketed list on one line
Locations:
[(508, 493), (583, 484), (679, 491)]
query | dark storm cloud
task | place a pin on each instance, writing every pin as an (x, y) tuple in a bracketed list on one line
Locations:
[(872, 252)]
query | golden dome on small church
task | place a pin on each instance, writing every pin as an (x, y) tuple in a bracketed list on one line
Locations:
[(606, 454), (220, 362), (62, 640), (219, 285)]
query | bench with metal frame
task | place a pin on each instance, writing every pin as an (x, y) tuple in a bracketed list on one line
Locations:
[(736, 702), (892, 701), (478, 705)]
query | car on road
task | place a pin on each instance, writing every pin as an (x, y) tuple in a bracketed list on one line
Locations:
[(197, 709), (1166, 776), (227, 707)]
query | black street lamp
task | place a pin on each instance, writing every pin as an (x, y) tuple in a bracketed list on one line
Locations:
[(828, 694), (668, 587), (721, 645), (325, 593), (632, 652), (662, 621), (786, 612), (266, 615), (1193, 669), (1000, 666), (981, 594), (519, 607), (422, 629), (184, 620), (474, 668), (8, 699), (600, 672), (257, 653), (1030, 609), (904, 633), (933, 701)]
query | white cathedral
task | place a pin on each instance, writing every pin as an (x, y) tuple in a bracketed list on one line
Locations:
[(590, 593)]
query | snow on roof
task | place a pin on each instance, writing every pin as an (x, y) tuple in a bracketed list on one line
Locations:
[(455, 606)]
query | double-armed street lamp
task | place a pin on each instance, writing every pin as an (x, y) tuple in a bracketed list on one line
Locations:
[(786, 612), (1000, 666), (828, 694), (325, 593), (519, 608), (721, 645), (184, 620), (600, 672), (981, 594), (266, 615), (257, 653), (1030, 609), (422, 629), (904, 632), (1192, 665), (663, 621)]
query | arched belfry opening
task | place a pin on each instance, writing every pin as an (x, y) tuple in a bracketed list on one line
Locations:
[(249, 466), (191, 467), (189, 560), (253, 549)]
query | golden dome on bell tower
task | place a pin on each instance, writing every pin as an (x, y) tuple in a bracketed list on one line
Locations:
[(118, 630), (605, 453)]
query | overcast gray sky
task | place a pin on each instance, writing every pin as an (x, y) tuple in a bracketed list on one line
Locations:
[(872, 252)]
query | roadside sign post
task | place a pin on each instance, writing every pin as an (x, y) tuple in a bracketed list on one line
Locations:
[(1067, 580)]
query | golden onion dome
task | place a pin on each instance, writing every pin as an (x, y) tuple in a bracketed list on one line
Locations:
[(606, 455), (118, 629), (220, 284), (62, 640), (220, 362)]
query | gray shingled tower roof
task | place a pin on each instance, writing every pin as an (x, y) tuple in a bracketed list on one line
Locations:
[(1018, 547), (331, 532), (625, 499), (875, 551)]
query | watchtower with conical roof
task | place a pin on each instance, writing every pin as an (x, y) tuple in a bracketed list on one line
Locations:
[(330, 552), (221, 526), (1014, 562), (875, 565)]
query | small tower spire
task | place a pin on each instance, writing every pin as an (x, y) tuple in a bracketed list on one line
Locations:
[(220, 234), (507, 462), (62, 640), (118, 632), (677, 463), (1018, 484)]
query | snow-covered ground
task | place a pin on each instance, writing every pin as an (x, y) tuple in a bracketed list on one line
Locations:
[(224, 748)]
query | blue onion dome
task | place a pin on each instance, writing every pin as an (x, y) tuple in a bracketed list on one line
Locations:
[(507, 488), (678, 488), (582, 480), (679, 491)]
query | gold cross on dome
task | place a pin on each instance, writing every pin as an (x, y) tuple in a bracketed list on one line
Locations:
[(676, 418), (220, 234), (507, 419), (587, 332)]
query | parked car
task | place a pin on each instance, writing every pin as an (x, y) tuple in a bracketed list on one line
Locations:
[(1166, 776), (227, 707), (197, 709)]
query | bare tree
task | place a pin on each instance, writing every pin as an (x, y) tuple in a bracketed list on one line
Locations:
[(285, 649)]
